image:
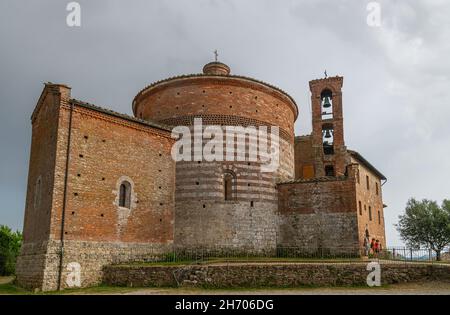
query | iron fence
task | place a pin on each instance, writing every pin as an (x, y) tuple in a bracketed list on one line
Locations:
[(224, 254)]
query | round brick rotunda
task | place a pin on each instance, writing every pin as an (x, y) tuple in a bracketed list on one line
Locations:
[(224, 204)]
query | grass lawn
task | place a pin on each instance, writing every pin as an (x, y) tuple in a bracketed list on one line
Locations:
[(7, 287), (219, 260)]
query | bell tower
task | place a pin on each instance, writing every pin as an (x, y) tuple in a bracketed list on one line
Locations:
[(328, 127)]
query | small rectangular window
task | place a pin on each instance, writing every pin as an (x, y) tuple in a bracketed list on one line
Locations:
[(370, 213), (367, 182), (308, 171), (376, 188), (329, 170), (360, 208), (379, 217)]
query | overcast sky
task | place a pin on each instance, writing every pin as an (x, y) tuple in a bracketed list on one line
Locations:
[(396, 76)]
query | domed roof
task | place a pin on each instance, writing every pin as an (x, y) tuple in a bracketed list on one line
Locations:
[(216, 68)]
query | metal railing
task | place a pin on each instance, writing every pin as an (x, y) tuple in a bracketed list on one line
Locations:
[(413, 254), (224, 254)]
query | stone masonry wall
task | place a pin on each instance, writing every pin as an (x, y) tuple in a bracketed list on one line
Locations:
[(91, 257), (227, 226), (319, 213), (268, 275)]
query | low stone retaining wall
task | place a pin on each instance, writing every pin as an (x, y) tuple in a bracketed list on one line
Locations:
[(38, 264), (268, 274)]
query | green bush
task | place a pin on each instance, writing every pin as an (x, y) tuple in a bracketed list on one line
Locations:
[(10, 243)]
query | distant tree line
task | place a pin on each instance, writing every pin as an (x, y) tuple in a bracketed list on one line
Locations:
[(426, 224), (10, 243)]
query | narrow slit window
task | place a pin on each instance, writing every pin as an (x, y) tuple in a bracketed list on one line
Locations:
[(229, 183), (37, 193), (125, 195)]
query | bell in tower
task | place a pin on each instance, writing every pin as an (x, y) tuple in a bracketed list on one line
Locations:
[(326, 102), (327, 122), (327, 134)]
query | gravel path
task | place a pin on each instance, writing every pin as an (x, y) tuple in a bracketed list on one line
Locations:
[(441, 288), (4, 280)]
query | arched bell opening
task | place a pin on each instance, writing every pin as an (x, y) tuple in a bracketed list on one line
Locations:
[(326, 98), (328, 139)]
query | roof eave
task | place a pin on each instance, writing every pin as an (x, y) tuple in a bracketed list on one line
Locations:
[(359, 157), (120, 115), (202, 75)]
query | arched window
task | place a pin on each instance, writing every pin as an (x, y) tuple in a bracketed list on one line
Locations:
[(125, 195), (229, 182), (326, 98), (328, 138)]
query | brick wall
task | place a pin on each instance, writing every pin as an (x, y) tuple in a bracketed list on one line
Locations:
[(339, 160), (40, 196), (370, 202), (304, 157), (217, 96), (107, 148), (104, 150), (204, 217), (39, 201)]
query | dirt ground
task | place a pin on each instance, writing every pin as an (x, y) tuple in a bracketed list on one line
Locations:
[(425, 288), (429, 288), (4, 280)]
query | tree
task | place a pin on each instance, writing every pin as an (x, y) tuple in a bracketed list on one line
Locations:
[(10, 243), (426, 224)]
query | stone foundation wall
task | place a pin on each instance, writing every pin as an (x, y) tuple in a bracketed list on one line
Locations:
[(333, 232), (319, 213), (268, 275), (233, 225), (30, 265), (38, 264)]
